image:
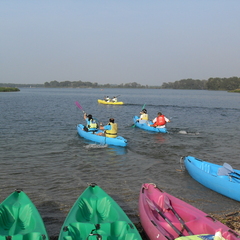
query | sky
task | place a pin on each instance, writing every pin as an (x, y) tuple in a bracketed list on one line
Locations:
[(118, 41)]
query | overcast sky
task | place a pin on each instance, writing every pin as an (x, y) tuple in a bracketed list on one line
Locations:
[(118, 41)]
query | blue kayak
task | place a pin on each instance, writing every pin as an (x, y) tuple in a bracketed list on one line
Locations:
[(144, 125), (92, 136), (222, 179)]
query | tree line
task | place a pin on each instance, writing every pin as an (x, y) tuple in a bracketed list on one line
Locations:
[(228, 84), (81, 84)]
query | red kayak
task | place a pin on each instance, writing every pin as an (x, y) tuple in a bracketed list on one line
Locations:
[(164, 216)]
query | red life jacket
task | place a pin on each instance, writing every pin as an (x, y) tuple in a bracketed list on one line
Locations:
[(160, 121)]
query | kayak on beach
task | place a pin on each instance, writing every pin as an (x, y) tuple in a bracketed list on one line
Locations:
[(112, 103), (92, 136), (222, 179), (166, 217), (95, 215), (20, 219), (145, 125)]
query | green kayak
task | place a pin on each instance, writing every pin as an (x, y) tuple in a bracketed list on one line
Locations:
[(20, 219), (96, 216)]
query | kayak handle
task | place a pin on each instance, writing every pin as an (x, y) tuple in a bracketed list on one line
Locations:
[(234, 233), (214, 220)]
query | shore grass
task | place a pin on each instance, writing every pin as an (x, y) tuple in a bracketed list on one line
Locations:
[(236, 90), (9, 89)]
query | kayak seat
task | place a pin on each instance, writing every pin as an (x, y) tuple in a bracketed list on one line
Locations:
[(79, 230), (25, 220), (32, 236), (92, 208), (119, 229), (7, 219), (85, 211), (105, 210)]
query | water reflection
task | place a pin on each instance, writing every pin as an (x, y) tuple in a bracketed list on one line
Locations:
[(159, 138)]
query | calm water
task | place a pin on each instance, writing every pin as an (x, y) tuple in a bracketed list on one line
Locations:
[(42, 153)]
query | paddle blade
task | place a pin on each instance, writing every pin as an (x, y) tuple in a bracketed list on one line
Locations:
[(79, 106), (228, 167), (222, 171), (167, 203)]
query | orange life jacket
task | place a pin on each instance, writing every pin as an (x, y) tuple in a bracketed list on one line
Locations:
[(160, 121)]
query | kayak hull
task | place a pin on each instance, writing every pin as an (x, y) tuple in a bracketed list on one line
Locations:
[(145, 126), (111, 103), (118, 141), (95, 215), (153, 199), (20, 219), (206, 173)]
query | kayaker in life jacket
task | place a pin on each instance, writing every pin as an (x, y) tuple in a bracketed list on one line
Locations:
[(110, 130), (114, 99), (107, 99), (143, 116), (91, 123), (160, 121)]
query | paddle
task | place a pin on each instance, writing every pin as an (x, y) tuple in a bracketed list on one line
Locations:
[(79, 106), (168, 203), (229, 168), (153, 207), (142, 109), (226, 172)]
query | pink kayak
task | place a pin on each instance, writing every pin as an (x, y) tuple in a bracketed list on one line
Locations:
[(164, 216)]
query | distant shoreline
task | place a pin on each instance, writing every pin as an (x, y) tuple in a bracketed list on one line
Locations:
[(9, 89)]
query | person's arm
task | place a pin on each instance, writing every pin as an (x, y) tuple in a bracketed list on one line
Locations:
[(166, 119), (154, 120), (85, 116), (107, 127)]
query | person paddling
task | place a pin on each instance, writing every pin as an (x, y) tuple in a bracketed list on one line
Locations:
[(91, 123), (114, 99), (110, 130), (143, 116), (160, 121), (107, 99)]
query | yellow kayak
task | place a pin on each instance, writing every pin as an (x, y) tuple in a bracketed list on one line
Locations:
[(113, 103)]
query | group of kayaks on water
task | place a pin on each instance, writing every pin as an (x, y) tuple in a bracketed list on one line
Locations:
[(108, 134), (97, 216), (165, 217), (158, 122), (111, 128)]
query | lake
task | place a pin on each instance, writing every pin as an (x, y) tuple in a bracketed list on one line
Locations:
[(42, 153)]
